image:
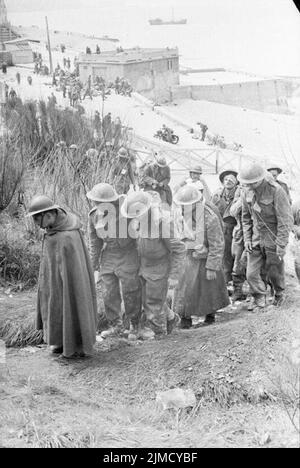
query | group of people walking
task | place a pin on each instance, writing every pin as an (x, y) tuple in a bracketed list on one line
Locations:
[(151, 242)]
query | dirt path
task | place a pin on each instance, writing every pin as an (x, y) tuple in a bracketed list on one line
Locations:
[(241, 370)]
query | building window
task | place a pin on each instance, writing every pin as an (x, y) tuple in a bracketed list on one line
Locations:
[(170, 65)]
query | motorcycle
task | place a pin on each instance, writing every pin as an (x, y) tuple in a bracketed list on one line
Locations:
[(161, 135)]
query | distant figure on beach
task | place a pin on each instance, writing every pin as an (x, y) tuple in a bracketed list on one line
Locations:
[(64, 90), (98, 51), (106, 127), (117, 131), (88, 50), (29, 79), (12, 94), (88, 89), (97, 123), (204, 129), (4, 68), (52, 100), (18, 77), (69, 63)]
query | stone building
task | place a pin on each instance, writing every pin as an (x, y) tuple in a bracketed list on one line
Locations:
[(13, 48), (151, 72), (269, 94)]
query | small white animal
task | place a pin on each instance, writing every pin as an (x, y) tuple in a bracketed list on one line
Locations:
[(175, 398)]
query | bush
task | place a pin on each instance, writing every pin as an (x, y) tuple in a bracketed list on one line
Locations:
[(12, 167), (19, 255)]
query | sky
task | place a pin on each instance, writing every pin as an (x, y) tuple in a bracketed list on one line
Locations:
[(262, 33)]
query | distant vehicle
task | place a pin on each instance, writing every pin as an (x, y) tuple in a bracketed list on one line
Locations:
[(159, 21), (169, 138)]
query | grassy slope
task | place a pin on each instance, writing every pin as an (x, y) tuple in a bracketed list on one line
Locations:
[(243, 371)]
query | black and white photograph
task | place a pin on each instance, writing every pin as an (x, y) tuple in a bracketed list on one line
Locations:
[(149, 226)]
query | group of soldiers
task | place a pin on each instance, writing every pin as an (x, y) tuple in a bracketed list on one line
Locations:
[(213, 139), (151, 242), (39, 67), (123, 87)]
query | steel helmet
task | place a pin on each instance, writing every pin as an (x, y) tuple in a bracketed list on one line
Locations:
[(196, 170), (92, 153), (136, 204), (103, 193), (187, 195), (252, 174), (161, 162), (123, 153), (275, 167), (61, 143), (40, 204), (73, 147), (226, 173)]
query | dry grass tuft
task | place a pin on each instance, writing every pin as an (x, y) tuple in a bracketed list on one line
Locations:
[(66, 440), (20, 334)]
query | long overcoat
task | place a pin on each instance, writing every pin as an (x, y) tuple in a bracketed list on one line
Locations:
[(66, 305), (195, 295)]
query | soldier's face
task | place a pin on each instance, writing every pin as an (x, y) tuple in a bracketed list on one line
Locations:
[(274, 173), (229, 181), (45, 220), (195, 176)]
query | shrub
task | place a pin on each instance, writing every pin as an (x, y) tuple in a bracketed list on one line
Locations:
[(12, 167), (19, 254)]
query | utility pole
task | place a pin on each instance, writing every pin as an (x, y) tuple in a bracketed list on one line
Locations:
[(49, 47)]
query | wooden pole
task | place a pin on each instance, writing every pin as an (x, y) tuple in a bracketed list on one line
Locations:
[(49, 47), (217, 161)]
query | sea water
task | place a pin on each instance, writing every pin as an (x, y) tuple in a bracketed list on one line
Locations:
[(259, 36)]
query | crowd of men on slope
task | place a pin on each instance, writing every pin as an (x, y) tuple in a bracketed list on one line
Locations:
[(195, 247)]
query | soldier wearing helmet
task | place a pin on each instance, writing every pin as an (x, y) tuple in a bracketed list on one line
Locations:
[(202, 289), (161, 256), (267, 222), (121, 175), (275, 171), (156, 177), (66, 306), (195, 176), (223, 199), (296, 231), (238, 249), (115, 260)]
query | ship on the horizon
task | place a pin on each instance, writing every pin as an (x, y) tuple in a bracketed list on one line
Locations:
[(159, 21)]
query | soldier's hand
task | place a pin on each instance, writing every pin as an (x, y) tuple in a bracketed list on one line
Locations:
[(297, 232), (160, 184), (248, 246), (172, 283), (96, 276), (211, 275), (154, 186), (280, 252), (195, 254)]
